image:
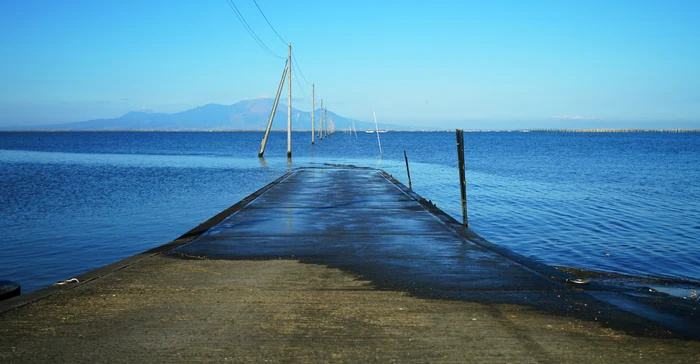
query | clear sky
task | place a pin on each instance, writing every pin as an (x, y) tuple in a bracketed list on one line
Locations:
[(483, 64)]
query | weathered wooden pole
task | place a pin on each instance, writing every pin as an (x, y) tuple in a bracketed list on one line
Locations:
[(462, 178), (289, 104), (410, 187), (272, 113)]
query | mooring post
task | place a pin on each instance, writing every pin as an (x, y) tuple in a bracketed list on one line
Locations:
[(410, 187), (462, 178)]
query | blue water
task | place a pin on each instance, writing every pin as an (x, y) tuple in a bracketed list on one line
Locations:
[(614, 202)]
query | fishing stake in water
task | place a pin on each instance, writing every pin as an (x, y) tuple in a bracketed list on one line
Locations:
[(410, 187), (462, 178), (376, 128)]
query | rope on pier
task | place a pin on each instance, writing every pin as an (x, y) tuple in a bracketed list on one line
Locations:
[(72, 280)]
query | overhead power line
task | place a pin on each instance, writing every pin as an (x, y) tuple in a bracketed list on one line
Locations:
[(268, 23), (285, 42), (301, 88), (250, 30), (265, 47), (297, 78), (294, 59)]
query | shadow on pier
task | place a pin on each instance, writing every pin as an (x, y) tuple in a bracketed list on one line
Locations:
[(386, 276)]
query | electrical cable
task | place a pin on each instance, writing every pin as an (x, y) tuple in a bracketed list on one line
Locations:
[(297, 78), (294, 58), (250, 30), (268, 23), (265, 47), (301, 88)]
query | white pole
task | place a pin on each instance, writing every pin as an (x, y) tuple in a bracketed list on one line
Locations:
[(289, 105), (272, 113), (376, 128), (313, 105)]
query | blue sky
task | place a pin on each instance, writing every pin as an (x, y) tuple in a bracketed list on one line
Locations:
[(481, 64)]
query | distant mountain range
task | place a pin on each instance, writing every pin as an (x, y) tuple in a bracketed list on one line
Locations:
[(244, 115)]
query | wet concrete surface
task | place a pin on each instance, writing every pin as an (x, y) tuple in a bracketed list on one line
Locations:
[(362, 223), (342, 264), (377, 231)]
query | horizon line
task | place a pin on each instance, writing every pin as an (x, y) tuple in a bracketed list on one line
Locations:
[(518, 130)]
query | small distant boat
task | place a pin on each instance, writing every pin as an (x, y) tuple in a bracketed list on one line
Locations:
[(369, 131)]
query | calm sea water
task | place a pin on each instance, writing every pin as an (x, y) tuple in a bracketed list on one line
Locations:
[(625, 203)]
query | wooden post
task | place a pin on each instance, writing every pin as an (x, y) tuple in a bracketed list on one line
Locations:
[(462, 178), (272, 114), (410, 187)]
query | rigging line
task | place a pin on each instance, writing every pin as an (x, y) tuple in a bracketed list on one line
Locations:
[(299, 68), (268, 23), (250, 30)]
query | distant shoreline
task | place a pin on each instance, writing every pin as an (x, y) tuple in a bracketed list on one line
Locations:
[(394, 131)]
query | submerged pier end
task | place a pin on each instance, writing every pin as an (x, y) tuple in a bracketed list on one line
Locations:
[(340, 264)]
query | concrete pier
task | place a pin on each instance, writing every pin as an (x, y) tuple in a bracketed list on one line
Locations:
[(340, 265)]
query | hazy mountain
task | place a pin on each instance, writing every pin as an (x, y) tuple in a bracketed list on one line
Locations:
[(244, 115)]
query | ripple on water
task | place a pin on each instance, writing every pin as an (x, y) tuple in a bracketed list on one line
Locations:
[(560, 224), (75, 201)]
